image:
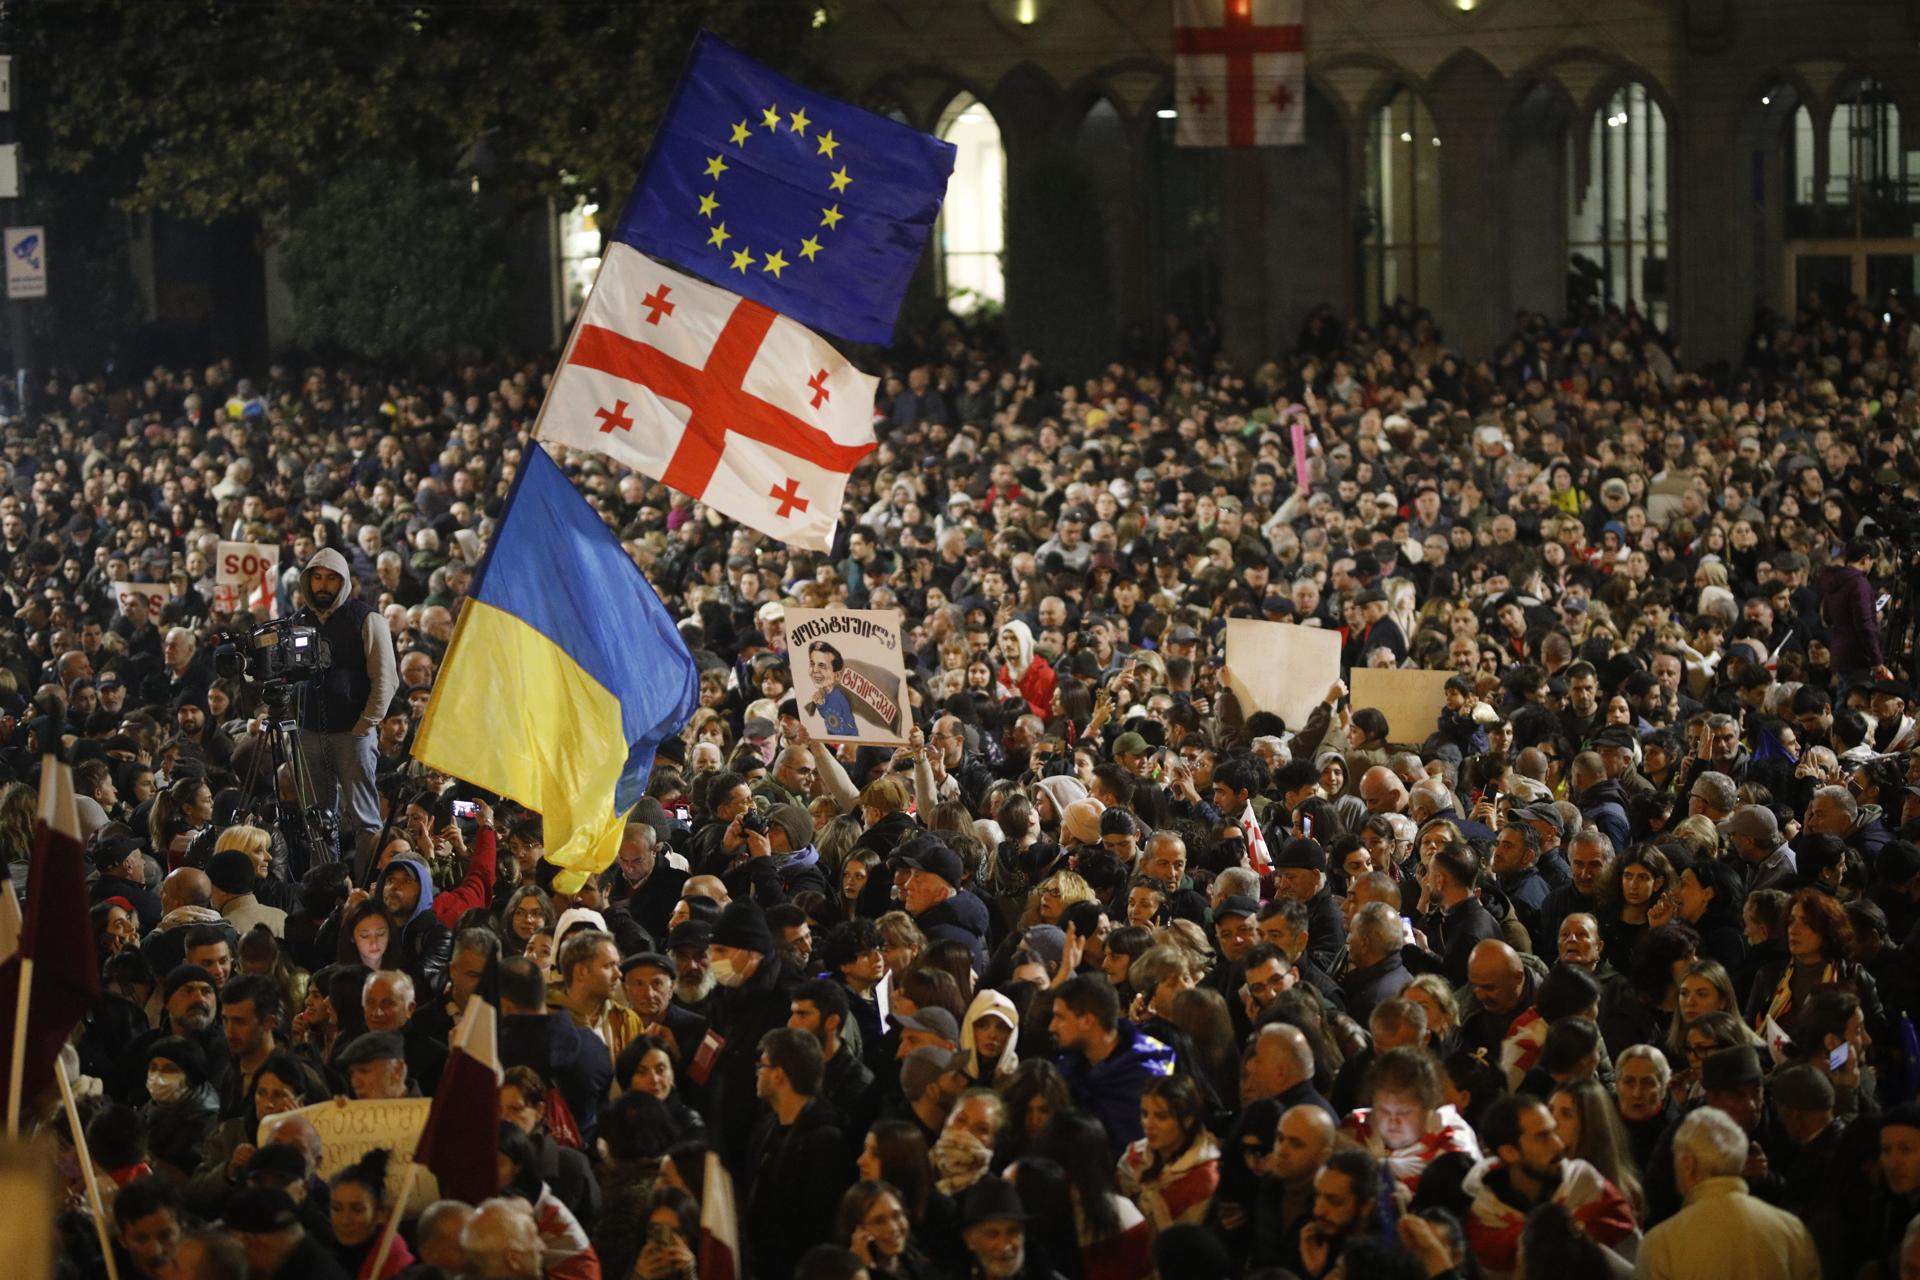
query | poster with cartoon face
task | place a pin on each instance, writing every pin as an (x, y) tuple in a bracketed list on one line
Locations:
[(850, 674)]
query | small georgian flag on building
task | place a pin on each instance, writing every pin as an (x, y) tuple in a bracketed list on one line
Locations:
[(715, 395), (1239, 73), (1257, 856)]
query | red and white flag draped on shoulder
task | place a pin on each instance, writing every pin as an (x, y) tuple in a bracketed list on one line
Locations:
[(461, 1140), (716, 396), (1240, 73), (48, 969)]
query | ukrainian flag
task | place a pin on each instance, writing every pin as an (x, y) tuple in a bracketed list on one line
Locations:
[(565, 673)]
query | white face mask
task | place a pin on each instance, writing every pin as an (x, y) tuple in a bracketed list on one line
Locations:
[(166, 1086), (727, 972)]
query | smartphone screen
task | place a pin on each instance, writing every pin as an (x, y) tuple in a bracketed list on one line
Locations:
[(465, 808)]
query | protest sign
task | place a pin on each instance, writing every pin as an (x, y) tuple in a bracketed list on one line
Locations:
[(850, 674), (155, 595), (29, 1207), (243, 578), (1410, 700), (1282, 668), (349, 1129)]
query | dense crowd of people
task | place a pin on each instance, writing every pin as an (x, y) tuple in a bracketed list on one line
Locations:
[(1610, 968)]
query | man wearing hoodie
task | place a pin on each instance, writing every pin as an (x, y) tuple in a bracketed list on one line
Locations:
[(424, 945), (1025, 673), (339, 710)]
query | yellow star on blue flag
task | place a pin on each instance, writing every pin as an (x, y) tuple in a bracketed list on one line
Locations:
[(874, 185)]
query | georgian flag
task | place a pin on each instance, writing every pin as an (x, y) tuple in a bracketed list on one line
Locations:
[(1240, 73), (1257, 856), (714, 395)]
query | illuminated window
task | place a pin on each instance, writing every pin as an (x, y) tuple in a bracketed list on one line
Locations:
[(973, 219), (1801, 177), (1617, 226), (1401, 246), (579, 258)]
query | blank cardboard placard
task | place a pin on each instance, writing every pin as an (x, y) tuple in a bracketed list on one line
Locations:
[(1282, 668), (1410, 700)]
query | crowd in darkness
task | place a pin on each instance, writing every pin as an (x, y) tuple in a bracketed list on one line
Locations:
[(1610, 968)]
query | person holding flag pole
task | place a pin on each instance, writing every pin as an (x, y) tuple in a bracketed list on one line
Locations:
[(96, 1207)]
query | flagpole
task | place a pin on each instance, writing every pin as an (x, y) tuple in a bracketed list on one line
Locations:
[(573, 333), (86, 1168), (17, 1067), (393, 1220)]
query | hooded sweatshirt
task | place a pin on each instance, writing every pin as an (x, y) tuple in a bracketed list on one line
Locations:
[(992, 1002), (1062, 790), (360, 684), (1026, 672), (420, 872)]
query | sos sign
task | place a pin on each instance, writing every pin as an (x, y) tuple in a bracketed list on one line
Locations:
[(243, 576)]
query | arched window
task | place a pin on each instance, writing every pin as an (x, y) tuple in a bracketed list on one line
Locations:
[(1864, 159), (1617, 225), (973, 219), (1800, 178), (1400, 244), (578, 240)]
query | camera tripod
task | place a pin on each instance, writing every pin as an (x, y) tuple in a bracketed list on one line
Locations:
[(310, 836)]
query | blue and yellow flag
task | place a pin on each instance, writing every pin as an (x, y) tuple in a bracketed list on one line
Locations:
[(815, 208), (565, 673)]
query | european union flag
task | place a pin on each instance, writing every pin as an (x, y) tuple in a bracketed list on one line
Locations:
[(815, 208)]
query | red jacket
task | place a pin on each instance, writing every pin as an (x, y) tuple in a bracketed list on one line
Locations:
[(1036, 685), (474, 891)]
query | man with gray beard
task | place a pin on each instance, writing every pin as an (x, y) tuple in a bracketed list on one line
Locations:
[(694, 985)]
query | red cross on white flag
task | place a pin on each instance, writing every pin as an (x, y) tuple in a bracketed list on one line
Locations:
[(714, 395), (1239, 73)]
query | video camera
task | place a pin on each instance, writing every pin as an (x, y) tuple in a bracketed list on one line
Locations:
[(279, 652)]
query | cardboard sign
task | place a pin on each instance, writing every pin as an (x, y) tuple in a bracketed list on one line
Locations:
[(850, 675), (1280, 667), (1410, 700), (29, 1206), (156, 595), (244, 578), (349, 1129)]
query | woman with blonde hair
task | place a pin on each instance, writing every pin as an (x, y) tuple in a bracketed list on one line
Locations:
[(1431, 992), (1699, 835), (1048, 903), (1704, 987), (1188, 937), (258, 844)]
